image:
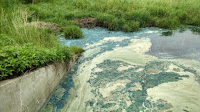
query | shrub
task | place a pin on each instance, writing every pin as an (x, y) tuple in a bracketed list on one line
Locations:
[(73, 32)]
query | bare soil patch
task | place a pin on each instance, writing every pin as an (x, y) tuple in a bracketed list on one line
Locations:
[(86, 23)]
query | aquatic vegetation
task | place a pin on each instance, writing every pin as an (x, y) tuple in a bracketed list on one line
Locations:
[(195, 29), (167, 33)]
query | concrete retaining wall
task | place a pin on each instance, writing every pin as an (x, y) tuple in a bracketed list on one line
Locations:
[(30, 91)]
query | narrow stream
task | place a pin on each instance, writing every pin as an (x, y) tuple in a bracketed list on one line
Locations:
[(132, 72)]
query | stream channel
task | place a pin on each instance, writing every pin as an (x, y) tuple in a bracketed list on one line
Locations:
[(142, 71)]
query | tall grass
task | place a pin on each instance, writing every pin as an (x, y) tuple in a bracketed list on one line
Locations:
[(15, 26), (8, 3), (126, 15), (24, 46), (34, 1)]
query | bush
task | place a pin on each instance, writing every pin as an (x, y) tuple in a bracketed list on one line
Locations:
[(73, 32), (15, 60)]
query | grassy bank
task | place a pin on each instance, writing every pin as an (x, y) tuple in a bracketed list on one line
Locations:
[(23, 45), (126, 15)]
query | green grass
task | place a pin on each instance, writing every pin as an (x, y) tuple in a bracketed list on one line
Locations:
[(20, 37), (126, 15), (15, 60), (24, 46), (15, 26), (73, 32)]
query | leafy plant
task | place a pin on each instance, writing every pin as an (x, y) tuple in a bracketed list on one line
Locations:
[(15, 60), (25, 46)]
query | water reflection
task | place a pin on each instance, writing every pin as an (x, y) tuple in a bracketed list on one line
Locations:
[(184, 44)]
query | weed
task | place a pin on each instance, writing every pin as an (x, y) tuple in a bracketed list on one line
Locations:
[(15, 60)]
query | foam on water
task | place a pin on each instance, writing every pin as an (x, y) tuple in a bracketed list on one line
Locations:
[(126, 72)]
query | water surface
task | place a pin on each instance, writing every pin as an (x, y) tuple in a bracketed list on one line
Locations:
[(131, 72)]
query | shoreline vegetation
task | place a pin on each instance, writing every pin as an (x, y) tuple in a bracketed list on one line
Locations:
[(25, 45)]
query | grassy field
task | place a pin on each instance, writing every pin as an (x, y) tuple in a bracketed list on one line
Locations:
[(126, 15), (20, 38)]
